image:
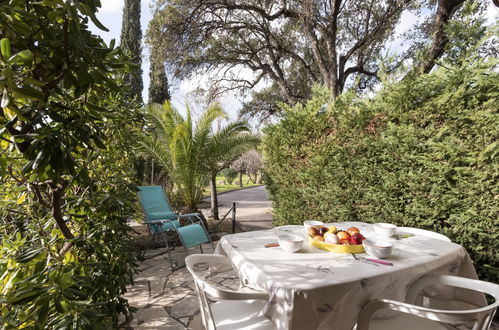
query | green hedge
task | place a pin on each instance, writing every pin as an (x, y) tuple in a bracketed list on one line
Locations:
[(423, 153)]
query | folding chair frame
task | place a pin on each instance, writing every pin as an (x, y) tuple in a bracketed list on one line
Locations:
[(188, 216)]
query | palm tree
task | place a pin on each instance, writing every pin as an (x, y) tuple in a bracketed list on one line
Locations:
[(190, 153), (224, 147)]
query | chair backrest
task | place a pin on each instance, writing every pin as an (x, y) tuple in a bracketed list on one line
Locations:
[(202, 266), (481, 317), (153, 200), (422, 232)]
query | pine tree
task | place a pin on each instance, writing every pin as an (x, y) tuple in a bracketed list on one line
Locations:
[(159, 88), (131, 39)]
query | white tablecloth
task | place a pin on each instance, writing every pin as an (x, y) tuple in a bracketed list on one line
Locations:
[(315, 289)]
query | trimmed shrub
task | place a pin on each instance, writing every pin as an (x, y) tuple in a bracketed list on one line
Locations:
[(424, 152)]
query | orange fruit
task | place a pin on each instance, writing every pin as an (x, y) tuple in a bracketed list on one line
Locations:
[(353, 230), (343, 235)]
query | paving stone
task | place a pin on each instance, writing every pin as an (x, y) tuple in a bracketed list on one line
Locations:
[(181, 277), (186, 307), (158, 286), (196, 323), (154, 318), (184, 320), (169, 297)]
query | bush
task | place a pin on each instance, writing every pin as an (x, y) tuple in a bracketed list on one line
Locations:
[(423, 153), (229, 174), (67, 171)]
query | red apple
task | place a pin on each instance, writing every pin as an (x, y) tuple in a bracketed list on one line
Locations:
[(356, 239)]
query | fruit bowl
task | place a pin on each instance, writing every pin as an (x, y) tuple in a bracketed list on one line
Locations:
[(336, 248)]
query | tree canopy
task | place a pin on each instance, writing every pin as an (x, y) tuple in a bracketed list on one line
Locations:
[(289, 44)]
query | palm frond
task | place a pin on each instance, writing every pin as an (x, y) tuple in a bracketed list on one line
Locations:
[(191, 153)]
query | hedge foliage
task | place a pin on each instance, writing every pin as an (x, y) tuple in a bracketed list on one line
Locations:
[(424, 152)]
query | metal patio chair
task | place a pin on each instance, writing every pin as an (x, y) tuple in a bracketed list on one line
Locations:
[(230, 309), (417, 317), (160, 219)]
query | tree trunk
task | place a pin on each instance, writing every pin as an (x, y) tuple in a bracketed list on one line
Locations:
[(240, 179), (214, 198), (56, 211), (152, 171), (445, 10)]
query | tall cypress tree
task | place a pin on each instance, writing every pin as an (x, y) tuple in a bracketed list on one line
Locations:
[(131, 42), (159, 88)]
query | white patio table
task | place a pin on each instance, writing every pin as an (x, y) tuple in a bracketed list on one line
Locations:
[(315, 289)]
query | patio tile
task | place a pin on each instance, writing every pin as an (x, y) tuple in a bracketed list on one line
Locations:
[(154, 318), (169, 297), (196, 323), (186, 307)]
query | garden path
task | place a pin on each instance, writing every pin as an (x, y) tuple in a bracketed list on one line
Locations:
[(253, 207)]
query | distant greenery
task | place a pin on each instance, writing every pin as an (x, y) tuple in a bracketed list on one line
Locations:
[(424, 152), (229, 174), (66, 169), (231, 186)]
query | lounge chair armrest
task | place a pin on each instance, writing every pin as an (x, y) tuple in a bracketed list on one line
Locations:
[(157, 222)]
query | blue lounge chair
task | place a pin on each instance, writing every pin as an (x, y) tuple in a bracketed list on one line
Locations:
[(160, 219)]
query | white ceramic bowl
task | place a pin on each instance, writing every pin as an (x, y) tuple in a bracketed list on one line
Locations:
[(377, 249), (385, 229), (312, 223), (290, 242)]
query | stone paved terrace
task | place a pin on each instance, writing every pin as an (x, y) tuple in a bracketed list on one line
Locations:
[(167, 300)]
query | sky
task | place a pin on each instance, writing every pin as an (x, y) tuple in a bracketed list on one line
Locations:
[(110, 15)]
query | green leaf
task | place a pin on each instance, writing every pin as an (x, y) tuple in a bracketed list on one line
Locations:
[(96, 21), (5, 48), (41, 159), (21, 198), (5, 99), (29, 92), (28, 255), (27, 167), (24, 57), (26, 296)]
